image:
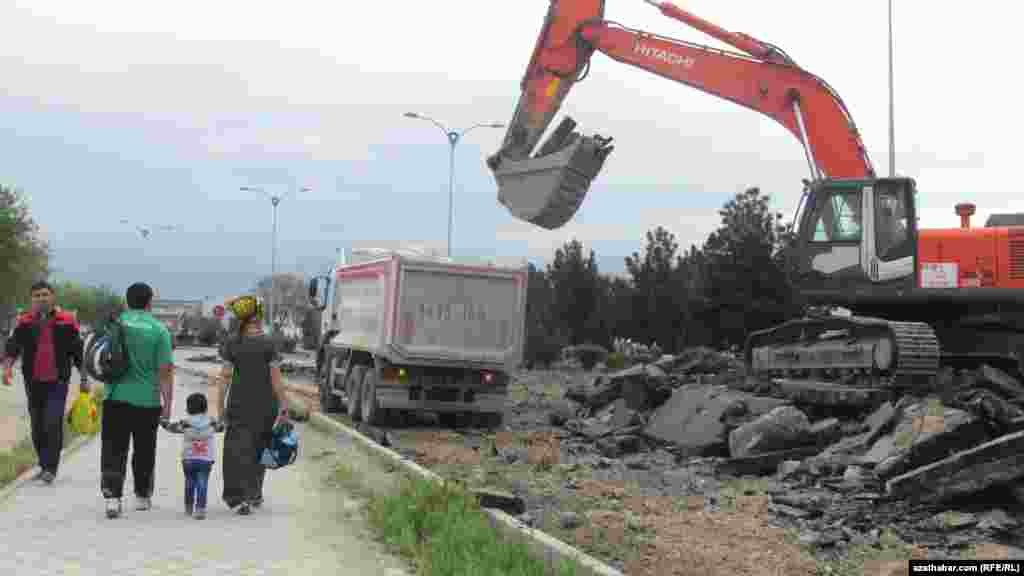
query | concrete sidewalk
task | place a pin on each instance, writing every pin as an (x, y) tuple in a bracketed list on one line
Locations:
[(62, 529)]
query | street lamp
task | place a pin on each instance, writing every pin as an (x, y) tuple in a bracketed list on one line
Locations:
[(453, 139), (892, 106), (275, 199)]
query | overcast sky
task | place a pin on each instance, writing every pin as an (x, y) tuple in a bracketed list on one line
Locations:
[(159, 112)]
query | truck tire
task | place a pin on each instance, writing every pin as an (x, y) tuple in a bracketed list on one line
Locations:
[(493, 420), (353, 388), (329, 401), (370, 410)]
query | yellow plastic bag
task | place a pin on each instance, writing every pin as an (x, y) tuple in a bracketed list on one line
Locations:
[(83, 416)]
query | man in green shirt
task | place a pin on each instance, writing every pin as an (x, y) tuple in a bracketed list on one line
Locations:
[(136, 403)]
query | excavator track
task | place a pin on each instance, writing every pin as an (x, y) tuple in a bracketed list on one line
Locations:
[(874, 351)]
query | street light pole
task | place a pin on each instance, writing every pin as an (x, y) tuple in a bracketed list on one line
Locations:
[(892, 106), (453, 137), (275, 200)]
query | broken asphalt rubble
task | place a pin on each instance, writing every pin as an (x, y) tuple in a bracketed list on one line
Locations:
[(964, 437)]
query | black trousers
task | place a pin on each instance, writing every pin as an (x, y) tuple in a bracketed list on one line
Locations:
[(46, 401), (123, 422)]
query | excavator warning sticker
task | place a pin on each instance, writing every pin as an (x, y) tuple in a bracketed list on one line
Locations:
[(939, 275)]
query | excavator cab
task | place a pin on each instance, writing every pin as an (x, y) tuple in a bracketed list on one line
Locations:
[(856, 240)]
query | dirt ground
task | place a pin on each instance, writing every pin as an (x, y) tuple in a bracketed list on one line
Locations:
[(652, 513)]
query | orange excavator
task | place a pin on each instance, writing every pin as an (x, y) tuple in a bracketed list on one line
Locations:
[(887, 302)]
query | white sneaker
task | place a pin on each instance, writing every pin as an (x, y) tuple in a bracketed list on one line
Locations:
[(113, 507), (143, 503)]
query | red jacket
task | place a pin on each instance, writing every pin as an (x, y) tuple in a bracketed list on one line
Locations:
[(67, 344)]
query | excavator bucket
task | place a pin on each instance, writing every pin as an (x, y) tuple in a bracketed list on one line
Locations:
[(547, 189)]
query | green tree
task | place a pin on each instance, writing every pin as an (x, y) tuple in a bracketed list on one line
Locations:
[(574, 282), (658, 297), (746, 286), (692, 275), (541, 345), (24, 255), (614, 314), (92, 304)]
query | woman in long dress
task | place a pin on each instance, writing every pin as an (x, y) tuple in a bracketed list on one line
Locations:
[(250, 393)]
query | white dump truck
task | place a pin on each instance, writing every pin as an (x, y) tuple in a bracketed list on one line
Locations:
[(409, 332)]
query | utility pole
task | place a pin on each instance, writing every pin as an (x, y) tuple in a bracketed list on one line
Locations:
[(275, 199), (454, 137)]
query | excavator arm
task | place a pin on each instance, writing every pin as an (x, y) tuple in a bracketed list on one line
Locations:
[(548, 188)]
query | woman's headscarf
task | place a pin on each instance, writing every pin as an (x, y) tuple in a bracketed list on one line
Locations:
[(246, 308)]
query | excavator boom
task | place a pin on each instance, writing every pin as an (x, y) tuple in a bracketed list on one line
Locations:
[(548, 188)]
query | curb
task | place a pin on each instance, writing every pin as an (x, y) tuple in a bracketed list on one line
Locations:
[(549, 549), (26, 476)]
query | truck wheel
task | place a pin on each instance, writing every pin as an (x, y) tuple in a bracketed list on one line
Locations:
[(492, 420), (368, 395), (353, 387), (320, 364), (448, 420), (329, 402)]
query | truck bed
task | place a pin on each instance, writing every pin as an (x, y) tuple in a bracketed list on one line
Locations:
[(432, 313)]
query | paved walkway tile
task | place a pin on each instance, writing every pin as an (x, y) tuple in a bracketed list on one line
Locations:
[(301, 528)]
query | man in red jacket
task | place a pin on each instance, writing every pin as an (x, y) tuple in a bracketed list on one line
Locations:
[(48, 341)]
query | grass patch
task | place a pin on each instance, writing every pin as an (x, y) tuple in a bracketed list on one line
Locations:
[(734, 488), (444, 532), (904, 438), (934, 407), (16, 461), (22, 457), (344, 475)]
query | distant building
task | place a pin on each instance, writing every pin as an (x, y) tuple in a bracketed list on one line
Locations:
[(172, 312)]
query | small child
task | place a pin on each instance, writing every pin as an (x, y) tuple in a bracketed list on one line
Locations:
[(198, 452)]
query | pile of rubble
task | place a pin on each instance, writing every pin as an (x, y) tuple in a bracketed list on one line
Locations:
[(963, 437)]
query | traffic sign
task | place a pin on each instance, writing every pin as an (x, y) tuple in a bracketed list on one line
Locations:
[(218, 311)]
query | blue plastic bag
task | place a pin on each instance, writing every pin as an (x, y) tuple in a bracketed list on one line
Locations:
[(283, 449)]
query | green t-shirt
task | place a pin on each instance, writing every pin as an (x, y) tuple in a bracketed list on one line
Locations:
[(149, 347)]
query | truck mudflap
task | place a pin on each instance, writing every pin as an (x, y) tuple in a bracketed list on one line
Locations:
[(397, 398), (547, 189)]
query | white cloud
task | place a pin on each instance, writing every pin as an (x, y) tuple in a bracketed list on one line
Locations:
[(238, 83)]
